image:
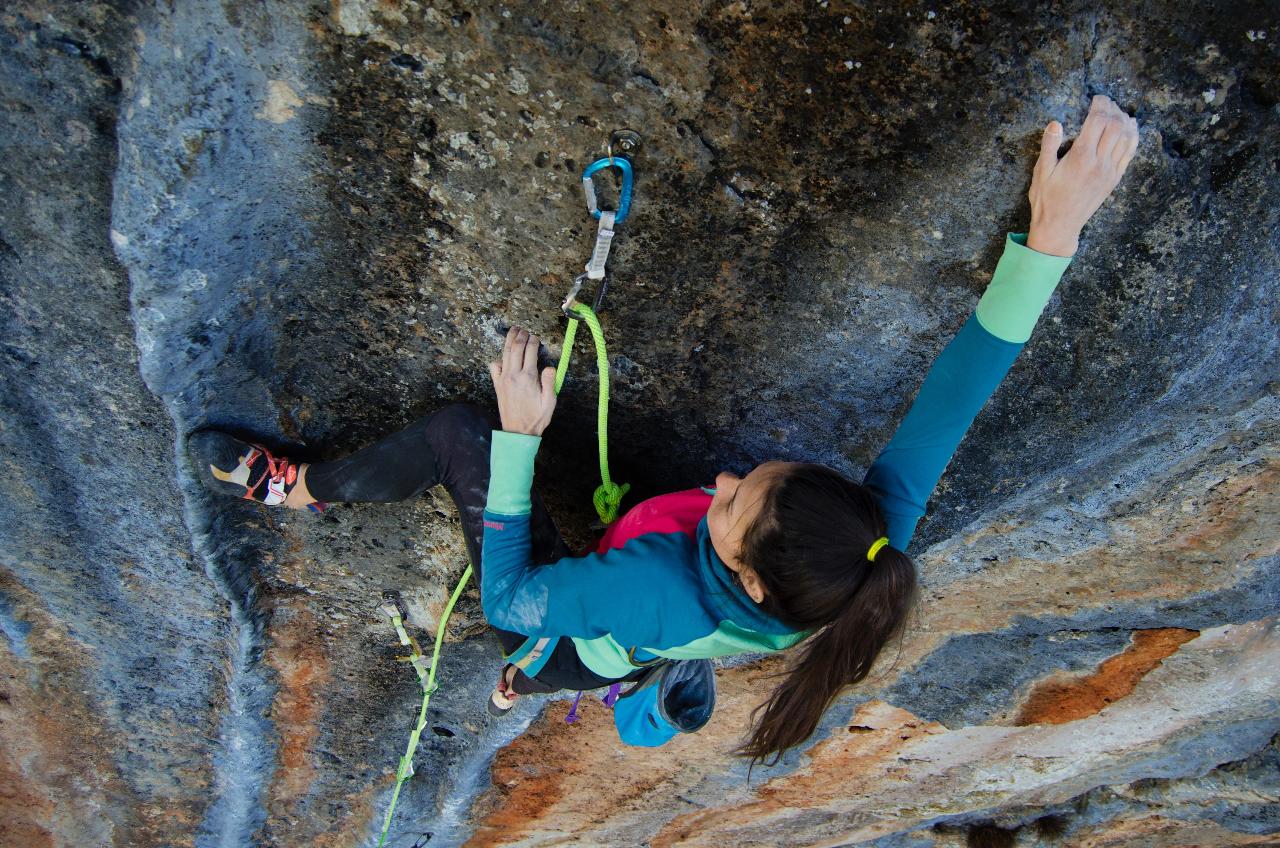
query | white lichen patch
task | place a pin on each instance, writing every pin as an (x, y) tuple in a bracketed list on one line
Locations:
[(281, 103), (78, 134), (419, 173), (193, 279), (518, 83), (353, 17)]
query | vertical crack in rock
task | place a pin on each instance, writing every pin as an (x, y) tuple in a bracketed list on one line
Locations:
[(242, 762), (209, 140), (110, 686)]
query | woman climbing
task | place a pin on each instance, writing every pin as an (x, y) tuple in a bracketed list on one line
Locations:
[(791, 552)]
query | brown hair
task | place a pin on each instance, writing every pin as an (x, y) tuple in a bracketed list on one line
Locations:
[(808, 545)]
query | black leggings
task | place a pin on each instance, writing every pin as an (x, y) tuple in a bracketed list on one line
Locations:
[(451, 447)]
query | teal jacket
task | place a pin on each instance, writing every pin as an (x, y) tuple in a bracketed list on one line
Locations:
[(655, 586)]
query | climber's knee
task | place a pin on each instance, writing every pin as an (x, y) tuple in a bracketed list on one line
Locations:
[(464, 419)]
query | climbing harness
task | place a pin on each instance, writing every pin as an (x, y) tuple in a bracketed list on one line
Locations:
[(426, 676), (609, 699), (608, 495)]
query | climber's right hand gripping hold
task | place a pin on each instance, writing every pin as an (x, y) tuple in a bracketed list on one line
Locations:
[(1066, 192), (526, 398)]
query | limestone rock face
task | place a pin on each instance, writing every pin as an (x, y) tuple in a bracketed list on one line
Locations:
[(311, 222)]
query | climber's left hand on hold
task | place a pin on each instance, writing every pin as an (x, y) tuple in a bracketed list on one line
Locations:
[(526, 397)]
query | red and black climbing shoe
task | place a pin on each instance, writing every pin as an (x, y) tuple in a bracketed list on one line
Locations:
[(246, 470), (503, 698)]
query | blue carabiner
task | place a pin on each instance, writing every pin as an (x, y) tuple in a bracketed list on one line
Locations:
[(624, 196)]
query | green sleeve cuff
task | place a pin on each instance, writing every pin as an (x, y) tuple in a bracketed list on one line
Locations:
[(511, 472), (1019, 290)]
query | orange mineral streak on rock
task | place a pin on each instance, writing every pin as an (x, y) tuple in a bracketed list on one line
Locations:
[(24, 804), (1061, 700), (855, 761), (871, 786), (875, 736), (297, 655), (58, 783), (577, 779), (1182, 544), (887, 771), (299, 646)]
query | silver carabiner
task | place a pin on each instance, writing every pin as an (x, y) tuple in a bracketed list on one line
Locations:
[(572, 296)]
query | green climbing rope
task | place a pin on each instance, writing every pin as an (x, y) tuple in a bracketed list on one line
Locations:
[(428, 679), (608, 495), (607, 499)]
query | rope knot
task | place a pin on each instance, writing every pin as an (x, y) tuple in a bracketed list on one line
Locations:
[(608, 498)]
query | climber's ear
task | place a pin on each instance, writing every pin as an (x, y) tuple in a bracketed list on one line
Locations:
[(751, 582)]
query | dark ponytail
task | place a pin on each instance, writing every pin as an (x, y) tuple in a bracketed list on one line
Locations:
[(809, 546)]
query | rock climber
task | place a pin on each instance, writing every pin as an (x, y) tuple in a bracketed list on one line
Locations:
[(790, 555)]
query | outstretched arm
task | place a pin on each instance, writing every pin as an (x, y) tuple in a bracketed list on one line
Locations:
[(1065, 192)]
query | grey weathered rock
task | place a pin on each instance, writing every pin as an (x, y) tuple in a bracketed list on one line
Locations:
[(308, 222)]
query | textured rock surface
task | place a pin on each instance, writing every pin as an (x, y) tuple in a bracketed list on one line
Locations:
[(309, 222), (113, 662)]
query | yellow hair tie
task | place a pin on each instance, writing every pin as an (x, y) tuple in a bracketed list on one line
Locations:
[(875, 548)]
